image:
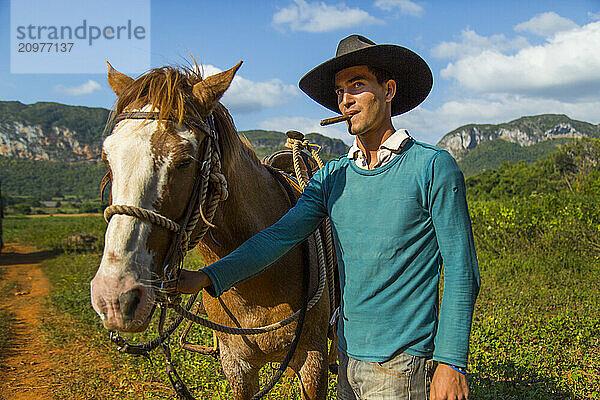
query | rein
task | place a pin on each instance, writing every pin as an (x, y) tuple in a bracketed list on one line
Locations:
[(166, 293)]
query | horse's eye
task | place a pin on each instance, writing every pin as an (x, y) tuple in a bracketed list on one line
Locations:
[(183, 163)]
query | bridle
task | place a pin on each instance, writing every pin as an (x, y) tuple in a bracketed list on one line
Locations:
[(209, 171), (201, 205)]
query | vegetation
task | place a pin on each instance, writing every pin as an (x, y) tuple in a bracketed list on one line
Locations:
[(26, 182), (536, 332), (266, 143), (44, 180), (536, 329), (574, 167), (537, 128), (50, 233), (6, 317), (490, 155), (86, 123)]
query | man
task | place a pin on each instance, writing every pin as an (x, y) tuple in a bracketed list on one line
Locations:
[(398, 210)]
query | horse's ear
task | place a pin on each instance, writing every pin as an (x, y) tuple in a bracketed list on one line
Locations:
[(210, 90), (117, 81)]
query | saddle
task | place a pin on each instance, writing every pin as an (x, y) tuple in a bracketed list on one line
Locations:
[(283, 160), (281, 164)]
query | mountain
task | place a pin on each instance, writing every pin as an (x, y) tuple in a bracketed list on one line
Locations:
[(58, 132), (50, 150), (267, 142), (492, 154), (51, 131), (524, 132)]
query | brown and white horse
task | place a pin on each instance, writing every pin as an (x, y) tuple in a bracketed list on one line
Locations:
[(153, 164)]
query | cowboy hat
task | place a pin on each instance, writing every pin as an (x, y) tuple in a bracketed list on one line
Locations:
[(411, 73)]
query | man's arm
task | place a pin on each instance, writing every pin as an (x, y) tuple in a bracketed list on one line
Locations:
[(452, 223), (264, 248)]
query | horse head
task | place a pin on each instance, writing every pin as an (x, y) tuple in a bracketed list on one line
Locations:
[(153, 156)]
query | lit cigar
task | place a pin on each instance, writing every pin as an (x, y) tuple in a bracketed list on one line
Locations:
[(335, 120)]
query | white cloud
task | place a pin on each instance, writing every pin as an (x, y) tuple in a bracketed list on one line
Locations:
[(307, 125), (430, 125), (85, 88), (320, 17), (502, 79), (473, 44), (567, 66), (594, 16), (546, 24), (405, 6), (245, 95)]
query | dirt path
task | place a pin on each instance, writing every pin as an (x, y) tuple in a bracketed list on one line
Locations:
[(26, 365)]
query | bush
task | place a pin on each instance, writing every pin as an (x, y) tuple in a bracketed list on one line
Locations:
[(22, 208)]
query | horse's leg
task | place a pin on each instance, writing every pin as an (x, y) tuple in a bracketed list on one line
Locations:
[(242, 377), (311, 368), (333, 352)]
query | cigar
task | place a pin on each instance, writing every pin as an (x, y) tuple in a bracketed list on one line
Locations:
[(335, 120)]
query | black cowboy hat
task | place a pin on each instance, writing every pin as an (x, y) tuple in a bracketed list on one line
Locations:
[(411, 73)]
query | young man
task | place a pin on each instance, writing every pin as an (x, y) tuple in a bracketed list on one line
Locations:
[(398, 211)]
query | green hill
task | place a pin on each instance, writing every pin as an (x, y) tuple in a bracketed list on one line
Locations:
[(47, 179), (267, 142), (491, 154), (524, 131), (86, 123), (53, 131), (43, 147), (44, 180), (573, 167)]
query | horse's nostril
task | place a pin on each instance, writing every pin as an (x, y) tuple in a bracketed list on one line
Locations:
[(128, 302)]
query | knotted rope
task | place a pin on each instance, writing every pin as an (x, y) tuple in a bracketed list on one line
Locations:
[(297, 143), (143, 214)]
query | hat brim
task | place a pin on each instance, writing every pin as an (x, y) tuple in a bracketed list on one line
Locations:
[(411, 73)]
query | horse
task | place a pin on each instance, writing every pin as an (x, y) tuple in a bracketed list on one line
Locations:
[(153, 164)]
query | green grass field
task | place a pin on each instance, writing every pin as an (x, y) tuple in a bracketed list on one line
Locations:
[(535, 333)]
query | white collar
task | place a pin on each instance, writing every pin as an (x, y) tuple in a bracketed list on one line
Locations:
[(393, 143)]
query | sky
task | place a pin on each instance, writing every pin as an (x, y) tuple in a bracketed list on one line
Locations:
[(492, 61)]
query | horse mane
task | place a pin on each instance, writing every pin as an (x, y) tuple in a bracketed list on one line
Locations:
[(169, 89)]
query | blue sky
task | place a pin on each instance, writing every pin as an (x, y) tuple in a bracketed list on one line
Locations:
[(492, 61)]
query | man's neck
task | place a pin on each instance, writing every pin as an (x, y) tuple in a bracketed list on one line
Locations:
[(370, 142)]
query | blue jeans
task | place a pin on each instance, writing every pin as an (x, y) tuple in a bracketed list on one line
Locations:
[(402, 377)]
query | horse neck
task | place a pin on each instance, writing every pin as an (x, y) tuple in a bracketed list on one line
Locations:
[(256, 200)]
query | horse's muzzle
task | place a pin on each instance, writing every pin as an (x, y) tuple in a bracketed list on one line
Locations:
[(122, 306)]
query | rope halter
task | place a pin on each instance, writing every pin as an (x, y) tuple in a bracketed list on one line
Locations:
[(208, 172)]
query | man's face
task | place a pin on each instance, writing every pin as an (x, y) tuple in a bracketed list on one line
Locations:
[(359, 93)]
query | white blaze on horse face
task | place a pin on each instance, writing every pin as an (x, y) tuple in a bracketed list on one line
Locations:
[(138, 179)]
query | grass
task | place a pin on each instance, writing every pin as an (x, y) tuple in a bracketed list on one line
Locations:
[(536, 335), (5, 329), (6, 289), (535, 332), (70, 275), (50, 233)]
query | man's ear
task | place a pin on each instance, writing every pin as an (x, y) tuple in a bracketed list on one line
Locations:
[(390, 90)]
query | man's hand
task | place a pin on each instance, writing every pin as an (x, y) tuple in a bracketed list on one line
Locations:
[(192, 281), (448, 384)]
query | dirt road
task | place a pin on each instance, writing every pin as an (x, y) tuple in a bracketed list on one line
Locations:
[(26, 365)]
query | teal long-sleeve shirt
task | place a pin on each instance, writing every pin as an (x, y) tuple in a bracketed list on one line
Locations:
[(394, 227)]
